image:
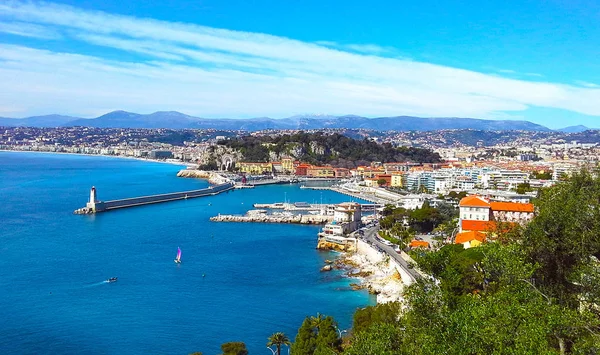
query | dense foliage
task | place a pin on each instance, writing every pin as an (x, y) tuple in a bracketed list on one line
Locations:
[(234, 348), (317, 336), (403, 223), (320, 148)]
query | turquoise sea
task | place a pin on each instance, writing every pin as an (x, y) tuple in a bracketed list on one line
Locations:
[(237, 282)]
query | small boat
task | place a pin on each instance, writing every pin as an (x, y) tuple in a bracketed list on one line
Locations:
[(178, 258), (112, 279)]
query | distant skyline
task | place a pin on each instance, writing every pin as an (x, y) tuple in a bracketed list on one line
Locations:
[(534, 61)]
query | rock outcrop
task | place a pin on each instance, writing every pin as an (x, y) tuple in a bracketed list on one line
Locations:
[(192, 173)]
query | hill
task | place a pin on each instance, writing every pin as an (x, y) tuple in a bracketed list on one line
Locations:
[(574, 129), (37, 121), (177, 120)]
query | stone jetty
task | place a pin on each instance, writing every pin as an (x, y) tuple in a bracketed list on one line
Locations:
[(265, 218)]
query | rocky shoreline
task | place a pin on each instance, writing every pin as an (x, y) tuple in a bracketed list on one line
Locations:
[(378, 277)]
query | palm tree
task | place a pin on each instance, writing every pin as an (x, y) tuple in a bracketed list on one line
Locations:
[(278, 339), (316, 321)]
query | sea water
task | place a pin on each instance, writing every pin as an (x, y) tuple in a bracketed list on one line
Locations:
[(236, 282)]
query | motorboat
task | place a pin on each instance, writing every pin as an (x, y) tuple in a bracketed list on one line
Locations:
[(112, 279)]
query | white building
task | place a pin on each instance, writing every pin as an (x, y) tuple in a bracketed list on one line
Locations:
[(346, 219)]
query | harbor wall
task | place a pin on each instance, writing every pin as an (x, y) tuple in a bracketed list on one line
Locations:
[(144, 200)]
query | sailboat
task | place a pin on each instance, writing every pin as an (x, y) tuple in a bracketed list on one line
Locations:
[(178, 258)]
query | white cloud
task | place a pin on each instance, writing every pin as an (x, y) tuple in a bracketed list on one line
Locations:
[(587, 84), (29, 30), (214, 72)]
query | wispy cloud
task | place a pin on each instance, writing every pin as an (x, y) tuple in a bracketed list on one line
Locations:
[(587, 84), (29, 30), (215, 72)]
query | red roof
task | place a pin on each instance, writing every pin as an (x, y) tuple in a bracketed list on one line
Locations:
[(481, 226), (511, 207), (418, 244), (486, 226), (473, 201), (469, 236)]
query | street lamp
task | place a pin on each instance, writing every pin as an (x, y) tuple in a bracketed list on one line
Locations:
[(341, 331)]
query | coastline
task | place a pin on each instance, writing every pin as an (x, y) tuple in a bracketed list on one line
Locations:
[(375, 271), (103, 155)]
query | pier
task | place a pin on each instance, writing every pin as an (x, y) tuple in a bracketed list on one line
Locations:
[(95, 206)]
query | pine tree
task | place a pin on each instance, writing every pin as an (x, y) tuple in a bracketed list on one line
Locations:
[(328, 338), (305, 342)]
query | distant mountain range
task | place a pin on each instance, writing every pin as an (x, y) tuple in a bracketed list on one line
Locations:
[(574, 129), (177, 120)]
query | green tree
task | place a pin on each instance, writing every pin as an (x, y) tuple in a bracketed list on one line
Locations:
[(381, 182), (523, 188), (328, 341), (278, 339), (305, 342), (234, 348), (377, 339), (564, 238), (384, 313)]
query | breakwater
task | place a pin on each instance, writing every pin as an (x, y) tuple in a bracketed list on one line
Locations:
[(264, 218), (95, 206)]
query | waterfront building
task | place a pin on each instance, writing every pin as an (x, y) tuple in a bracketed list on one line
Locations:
[(320, 171), (341, 173), (154, 154), (346, 219), (302, 169), (287, 165), (255, 168)]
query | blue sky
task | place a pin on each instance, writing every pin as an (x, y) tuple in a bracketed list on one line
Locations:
[(533, 60)]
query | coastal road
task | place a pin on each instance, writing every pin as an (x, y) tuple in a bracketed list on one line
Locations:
[(371, 237)]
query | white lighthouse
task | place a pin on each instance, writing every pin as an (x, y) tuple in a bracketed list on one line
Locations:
[(93, 204), (93, 198)]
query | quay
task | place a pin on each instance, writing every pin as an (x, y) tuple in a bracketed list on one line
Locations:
[(95, 206), (302, 206), (353, 193), (264, 218)]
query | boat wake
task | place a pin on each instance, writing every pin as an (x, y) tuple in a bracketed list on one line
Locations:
[(96, 284)]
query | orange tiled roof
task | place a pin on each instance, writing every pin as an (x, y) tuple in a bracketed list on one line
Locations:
[(480, 226), (473, 201), (511, 206), (469, 236), (418, 244)]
